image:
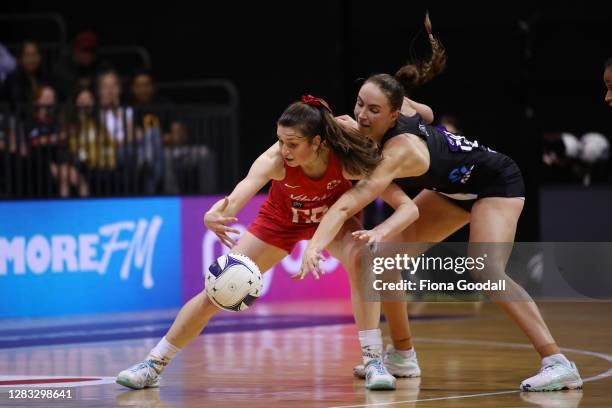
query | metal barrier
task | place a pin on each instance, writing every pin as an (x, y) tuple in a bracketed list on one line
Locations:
[(46, 151), (15, 23), (132, 56), (48, 30), (218, 128)]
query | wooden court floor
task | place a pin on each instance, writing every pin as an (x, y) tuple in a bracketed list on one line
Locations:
[(471, 356)]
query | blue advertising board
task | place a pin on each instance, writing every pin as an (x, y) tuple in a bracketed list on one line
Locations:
[(87, 256)]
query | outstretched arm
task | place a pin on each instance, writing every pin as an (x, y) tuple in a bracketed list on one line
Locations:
[(267, 166)]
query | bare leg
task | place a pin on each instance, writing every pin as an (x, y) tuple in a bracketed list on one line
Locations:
[(348, 252), (192, 318), (196, 313), (438, 219), (366, 311), (494, 220)]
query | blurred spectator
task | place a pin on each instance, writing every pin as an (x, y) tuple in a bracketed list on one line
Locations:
[(88, 141), (143, 89), (149, 111), (22, 84), (80, 68), (91, 145), (608, 81), (118, 121), (7, 63), (144, 98), (188, 169), (450, 123), (48, 148), (44, 146), (43, 129)]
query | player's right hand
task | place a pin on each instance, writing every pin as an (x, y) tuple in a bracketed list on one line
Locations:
[(347, 122), (310, 264), (215, 221)]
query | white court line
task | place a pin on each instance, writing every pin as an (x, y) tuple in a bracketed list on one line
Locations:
[(597, 377), (428, 399)]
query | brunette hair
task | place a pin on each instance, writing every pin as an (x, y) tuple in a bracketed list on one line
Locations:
[(411, 75), (415, 74), (312, 116)]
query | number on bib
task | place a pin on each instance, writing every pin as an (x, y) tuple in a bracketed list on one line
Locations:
[(458, 142), (309, 215)]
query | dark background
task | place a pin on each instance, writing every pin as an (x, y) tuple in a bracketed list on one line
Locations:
[(515, 69)]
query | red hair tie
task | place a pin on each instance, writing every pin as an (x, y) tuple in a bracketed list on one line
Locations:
[(316, 102)]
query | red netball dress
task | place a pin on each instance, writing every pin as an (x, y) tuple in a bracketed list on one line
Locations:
[(296, 205)]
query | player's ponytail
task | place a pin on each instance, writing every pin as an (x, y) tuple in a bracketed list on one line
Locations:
[(417, 73), (358, 154)]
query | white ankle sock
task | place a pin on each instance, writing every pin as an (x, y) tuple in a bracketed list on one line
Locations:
[(556, 358), (371, 344), (405, 353), (165, 350)]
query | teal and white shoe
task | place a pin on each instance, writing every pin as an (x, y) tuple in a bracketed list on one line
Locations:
[(398, 365), (145, 374), (554, 377), (377, 377)]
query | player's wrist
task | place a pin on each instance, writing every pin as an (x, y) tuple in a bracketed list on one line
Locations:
[(314, 248), (382, 231)]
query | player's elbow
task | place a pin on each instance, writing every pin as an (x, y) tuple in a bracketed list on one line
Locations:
[(415, 212), (345, 212), (428, 115)]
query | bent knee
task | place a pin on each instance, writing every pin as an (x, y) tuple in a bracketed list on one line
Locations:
[(205, 305)]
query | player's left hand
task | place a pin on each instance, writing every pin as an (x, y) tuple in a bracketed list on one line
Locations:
[(310, 264), (370, 237)]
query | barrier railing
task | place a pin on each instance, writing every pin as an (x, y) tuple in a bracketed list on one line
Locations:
[(48, 30), (220, 99), (126, 56), (174, 149)]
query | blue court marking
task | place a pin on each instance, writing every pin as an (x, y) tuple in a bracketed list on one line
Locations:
[(139, 329)]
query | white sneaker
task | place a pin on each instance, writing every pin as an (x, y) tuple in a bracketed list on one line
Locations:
[(377, 377), (398, 365), (554, 377), (142, 375)]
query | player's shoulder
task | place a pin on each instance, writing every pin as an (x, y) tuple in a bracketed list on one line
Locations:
[(274, 162), (398, 146), (404, 153)]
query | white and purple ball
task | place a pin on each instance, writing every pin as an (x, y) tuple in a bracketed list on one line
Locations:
[(233, 282)]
